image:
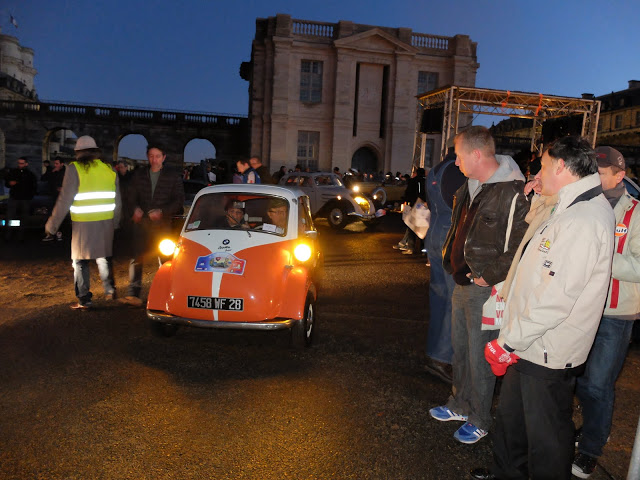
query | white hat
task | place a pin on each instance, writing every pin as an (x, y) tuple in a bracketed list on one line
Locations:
[(84, 143)]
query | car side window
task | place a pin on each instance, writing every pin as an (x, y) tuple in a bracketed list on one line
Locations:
[(306, 182), (293, 180)]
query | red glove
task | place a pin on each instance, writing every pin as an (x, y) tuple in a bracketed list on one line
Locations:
[(499, 358)]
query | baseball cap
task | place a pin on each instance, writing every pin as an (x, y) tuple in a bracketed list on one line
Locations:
[(609, 157), (84, 143)]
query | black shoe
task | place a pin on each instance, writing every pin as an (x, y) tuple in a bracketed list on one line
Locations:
[(439, 369), (584, 465), (482, 474)]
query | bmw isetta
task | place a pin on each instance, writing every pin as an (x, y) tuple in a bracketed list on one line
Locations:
[(247, 258)]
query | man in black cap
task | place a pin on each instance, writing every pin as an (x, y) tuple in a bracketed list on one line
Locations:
[(596, 388)]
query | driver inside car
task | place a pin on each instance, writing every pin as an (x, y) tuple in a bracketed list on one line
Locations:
[(234, 216)]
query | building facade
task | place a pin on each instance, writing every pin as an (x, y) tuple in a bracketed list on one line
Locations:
[(619, 124), (16, 70), (326, 95)]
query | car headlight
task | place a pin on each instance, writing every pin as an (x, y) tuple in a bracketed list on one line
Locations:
[(167, 247), (302, 252), (363, 202), (356, 188)]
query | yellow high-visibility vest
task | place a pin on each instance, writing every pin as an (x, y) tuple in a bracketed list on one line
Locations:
[(96, 197)]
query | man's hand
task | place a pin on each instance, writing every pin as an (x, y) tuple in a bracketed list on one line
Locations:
[(155, 215), (137, 215), (479, 281), (534, 185), (499, 358)]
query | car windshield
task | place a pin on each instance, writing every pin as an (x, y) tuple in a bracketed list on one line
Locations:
[(307, 180), (236, 211)]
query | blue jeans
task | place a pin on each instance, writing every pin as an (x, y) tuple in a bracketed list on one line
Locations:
[(441, 287), (473, 380), (82, 277), (596, 388)]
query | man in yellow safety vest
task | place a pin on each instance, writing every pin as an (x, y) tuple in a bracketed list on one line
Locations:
[(90, 191)]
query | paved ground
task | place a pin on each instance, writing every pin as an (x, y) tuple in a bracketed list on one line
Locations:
[(97, 396)]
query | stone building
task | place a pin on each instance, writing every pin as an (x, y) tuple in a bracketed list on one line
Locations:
[(619, 124), (343, 94), (16, 70)]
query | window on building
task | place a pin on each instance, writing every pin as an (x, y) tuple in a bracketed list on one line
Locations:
[(308, 143), (311, 81), (618, 121), (638, 118), (427, 81)]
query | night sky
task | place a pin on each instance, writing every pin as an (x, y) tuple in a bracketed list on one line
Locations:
[(186, 55)]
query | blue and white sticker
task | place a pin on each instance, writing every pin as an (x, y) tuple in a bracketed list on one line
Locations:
[(220, 262)]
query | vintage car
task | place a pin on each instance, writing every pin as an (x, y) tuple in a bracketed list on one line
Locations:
[(247, 258), (330, 199)]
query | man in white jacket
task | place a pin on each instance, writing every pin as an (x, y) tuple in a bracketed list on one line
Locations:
[(596, 388), (551, 317)]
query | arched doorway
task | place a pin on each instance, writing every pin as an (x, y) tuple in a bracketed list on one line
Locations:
[(365, 160), (133, 149)]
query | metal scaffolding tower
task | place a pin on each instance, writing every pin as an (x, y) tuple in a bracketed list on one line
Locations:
[(538, 107)]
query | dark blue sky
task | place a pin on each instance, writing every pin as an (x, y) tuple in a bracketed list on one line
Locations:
[(186, 55)]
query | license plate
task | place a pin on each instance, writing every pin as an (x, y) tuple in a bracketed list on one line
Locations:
[(216, 303)]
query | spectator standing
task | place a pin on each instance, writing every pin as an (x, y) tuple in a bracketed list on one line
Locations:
[(487, 224), (90, 191), (155, 194), (415, 190), (279, 174), (551, 316), (261, 170), (596, 388), (22, 184), (54, 182), (248, 173), (211, 176), (441, 184)]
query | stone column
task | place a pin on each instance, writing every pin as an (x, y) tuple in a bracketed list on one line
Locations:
[(282, 89), (399, 151), (343, 110)]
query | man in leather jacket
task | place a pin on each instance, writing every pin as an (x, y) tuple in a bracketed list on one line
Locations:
[(488, 222)]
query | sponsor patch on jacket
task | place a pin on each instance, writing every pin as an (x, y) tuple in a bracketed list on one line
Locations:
[(621, 230), (546, 264), (220, 262), (544, 245), (552, 273)]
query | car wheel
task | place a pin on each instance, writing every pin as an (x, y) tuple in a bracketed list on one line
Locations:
[(302, 331), (337, 217), (380, 195), (163, 329)]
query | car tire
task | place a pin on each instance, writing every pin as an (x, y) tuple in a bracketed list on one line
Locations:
[(303, 331), (337, 217), (163, 330), (381, 197)]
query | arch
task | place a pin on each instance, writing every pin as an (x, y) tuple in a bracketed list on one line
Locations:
[(198, 149), (365, 160), (131, 146), (59, 142)]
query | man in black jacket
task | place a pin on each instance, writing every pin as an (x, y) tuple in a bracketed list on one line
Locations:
[(154, 195), (487, 224), (263, 172), (22, 184)]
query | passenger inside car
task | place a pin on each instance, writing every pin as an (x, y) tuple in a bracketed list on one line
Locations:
[(277, 214)]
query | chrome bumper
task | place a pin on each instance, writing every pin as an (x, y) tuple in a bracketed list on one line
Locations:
[(163, 317), (361, 216)]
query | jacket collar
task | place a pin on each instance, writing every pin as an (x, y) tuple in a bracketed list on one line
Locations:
[(569, 193)]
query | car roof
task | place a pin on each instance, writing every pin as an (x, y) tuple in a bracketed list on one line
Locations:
[(253, 188), (312, 174)]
